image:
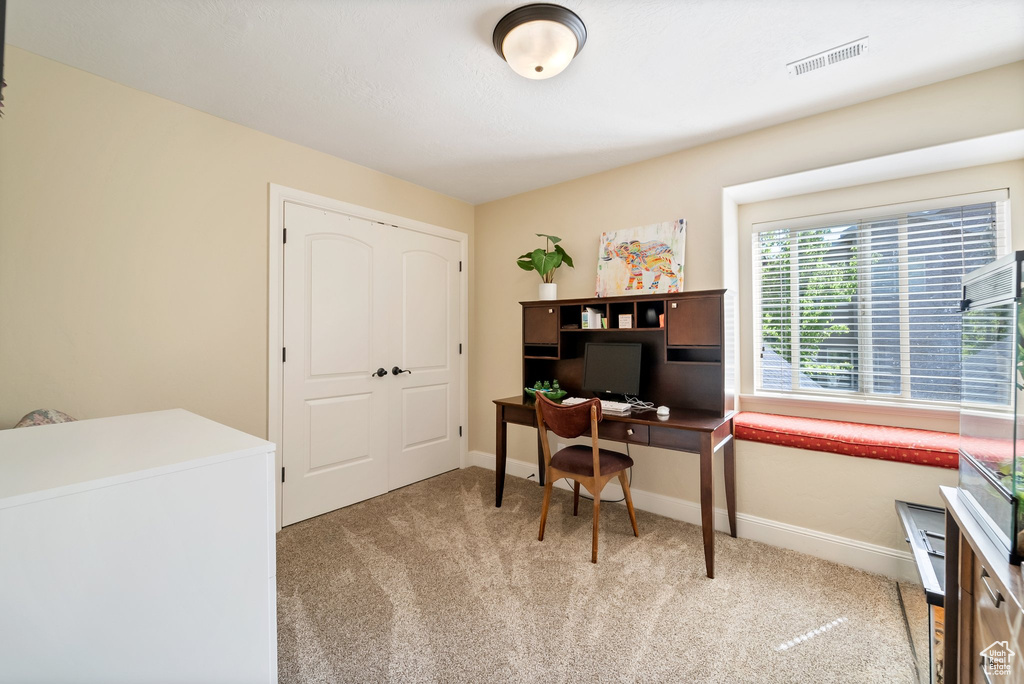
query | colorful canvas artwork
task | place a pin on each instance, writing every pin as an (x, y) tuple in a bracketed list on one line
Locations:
[(646, 259)]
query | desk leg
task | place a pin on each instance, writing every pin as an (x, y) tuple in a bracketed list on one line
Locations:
[(730, 483), (707, 501), (540, 461), (500, 444)]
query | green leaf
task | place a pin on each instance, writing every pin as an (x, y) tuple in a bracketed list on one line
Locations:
[(554, 240), (537, 257), (566, 259), (551, 261), (525, 262), (545, 262)]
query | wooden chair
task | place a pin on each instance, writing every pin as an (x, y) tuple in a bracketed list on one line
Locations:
[(590, 466)]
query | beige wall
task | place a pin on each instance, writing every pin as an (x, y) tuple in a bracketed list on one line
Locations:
[(133, 247), (852, 498), (689, 184)]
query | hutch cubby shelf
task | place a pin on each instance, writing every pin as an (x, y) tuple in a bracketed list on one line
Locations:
[(687, 338)]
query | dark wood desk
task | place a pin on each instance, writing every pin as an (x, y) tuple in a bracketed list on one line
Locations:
[(701, 432)]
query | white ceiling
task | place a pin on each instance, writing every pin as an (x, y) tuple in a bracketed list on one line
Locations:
[(414, 88)]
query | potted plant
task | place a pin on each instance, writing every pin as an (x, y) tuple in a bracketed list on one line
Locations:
[(544, 262)]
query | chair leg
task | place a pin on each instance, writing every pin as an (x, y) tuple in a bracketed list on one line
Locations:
[(624, 481), (575, 497), (597, 512), (544, 509)]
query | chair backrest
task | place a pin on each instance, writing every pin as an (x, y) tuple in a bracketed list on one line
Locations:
[(566, 421)]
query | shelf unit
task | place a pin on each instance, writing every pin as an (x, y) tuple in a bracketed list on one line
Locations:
[(687, 338)]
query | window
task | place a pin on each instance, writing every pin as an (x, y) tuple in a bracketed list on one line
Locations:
[(868, 306)]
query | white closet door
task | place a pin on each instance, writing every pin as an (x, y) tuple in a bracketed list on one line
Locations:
[(336, 313), (425, 402)]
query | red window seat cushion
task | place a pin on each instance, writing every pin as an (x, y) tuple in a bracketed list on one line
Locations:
[(906, 445)]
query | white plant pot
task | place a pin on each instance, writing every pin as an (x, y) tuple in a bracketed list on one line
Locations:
[(549, 291)]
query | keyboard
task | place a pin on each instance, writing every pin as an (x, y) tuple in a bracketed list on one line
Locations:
[(606, 406)]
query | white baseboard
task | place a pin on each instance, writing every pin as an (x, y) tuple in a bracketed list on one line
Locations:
[(882, 560)]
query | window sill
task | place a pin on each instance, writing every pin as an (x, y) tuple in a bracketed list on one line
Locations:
[(943, 419)]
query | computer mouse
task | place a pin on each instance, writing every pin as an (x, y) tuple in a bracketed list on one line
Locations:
[(663, 410)]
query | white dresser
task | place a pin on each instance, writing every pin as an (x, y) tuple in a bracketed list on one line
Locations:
[(137, 549)]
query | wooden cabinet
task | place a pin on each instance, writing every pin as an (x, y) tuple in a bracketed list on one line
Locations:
[(694, 322), (995, 620), (540, 324), (984, 605), (135, 549), (687, 352)]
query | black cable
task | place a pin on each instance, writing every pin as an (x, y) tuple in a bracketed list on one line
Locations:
[(630, 480)]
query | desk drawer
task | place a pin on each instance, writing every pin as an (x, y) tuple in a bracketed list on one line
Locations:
[(620, 432), (995, 616), (671, 438), (520, 415)]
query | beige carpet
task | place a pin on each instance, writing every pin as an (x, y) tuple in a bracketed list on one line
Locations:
[(432, 583)]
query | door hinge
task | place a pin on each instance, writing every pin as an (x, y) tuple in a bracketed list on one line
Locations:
[(285, 236), (460, 267), (282, 473), (284, 354), (460, 431)]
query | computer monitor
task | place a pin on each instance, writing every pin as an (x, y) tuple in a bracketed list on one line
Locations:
[(612, 368)]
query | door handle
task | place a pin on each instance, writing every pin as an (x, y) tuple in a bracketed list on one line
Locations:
[(398, 371), (984, 673), (379, 373)]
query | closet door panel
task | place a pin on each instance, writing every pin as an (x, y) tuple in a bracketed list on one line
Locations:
[(336, 317), (425, 342)]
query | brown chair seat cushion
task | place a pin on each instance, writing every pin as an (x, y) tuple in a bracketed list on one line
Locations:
[(579, 460)]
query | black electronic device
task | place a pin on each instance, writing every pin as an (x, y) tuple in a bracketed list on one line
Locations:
[(612, 368)]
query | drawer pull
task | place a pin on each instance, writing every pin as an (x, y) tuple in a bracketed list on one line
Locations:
[(674, 305), (996, 597), (629, 432), (551, 311), (984, 674)]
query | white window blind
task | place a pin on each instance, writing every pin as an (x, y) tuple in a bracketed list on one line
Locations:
[(868, 306)]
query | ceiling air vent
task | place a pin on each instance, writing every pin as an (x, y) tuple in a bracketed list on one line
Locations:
[(829, 57)]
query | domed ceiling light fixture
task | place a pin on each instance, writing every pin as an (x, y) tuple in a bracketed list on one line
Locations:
[(538, 41)]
